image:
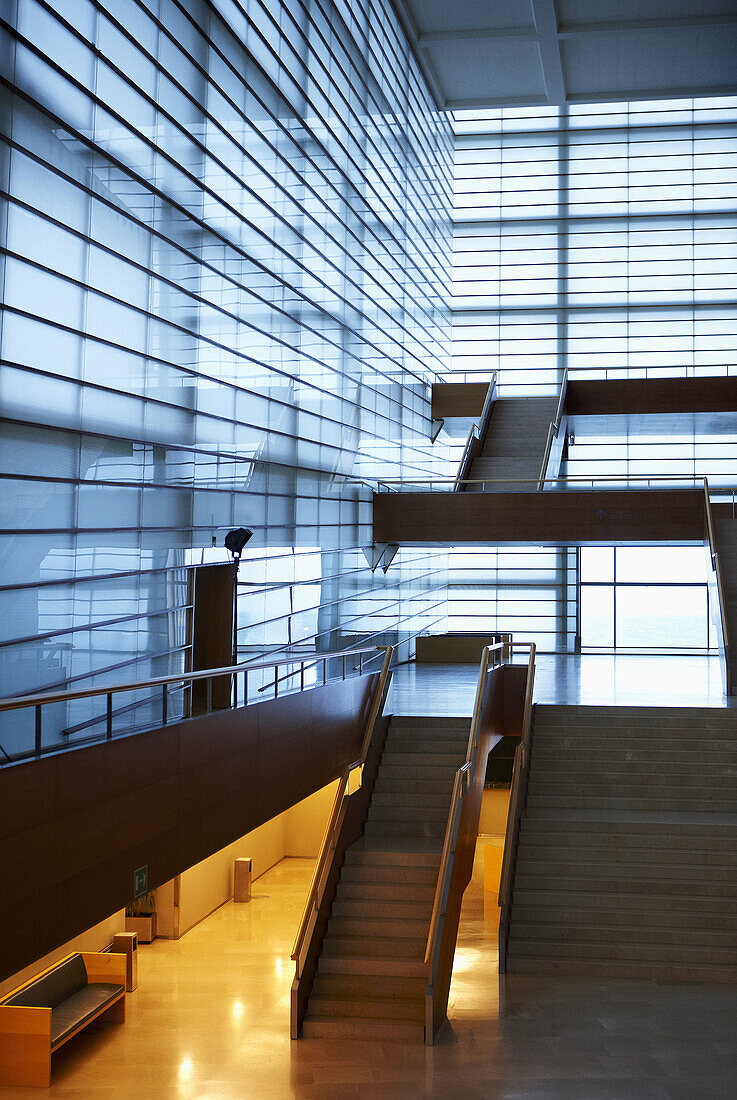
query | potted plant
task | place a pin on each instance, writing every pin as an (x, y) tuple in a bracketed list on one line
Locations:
[(140, 917)]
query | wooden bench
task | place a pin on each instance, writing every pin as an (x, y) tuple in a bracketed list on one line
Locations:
[(44, 1013)]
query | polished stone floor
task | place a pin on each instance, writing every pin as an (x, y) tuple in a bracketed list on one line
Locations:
[(210, 1020), (593, 679)]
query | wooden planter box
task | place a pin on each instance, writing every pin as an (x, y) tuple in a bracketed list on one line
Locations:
[(145, 926)]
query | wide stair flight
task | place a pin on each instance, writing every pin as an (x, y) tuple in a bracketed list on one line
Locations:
[(515, 441), (372, 980), (627, 856)]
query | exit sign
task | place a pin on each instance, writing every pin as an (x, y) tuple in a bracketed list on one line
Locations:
[(140, 881)]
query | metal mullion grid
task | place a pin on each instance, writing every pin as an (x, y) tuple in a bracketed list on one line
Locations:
[(380, 108), (234, 456), (323, 337), (102, 624), (281, 93), (204, 225), (277, 122), (393, 601)]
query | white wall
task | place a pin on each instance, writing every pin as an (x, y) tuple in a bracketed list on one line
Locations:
[(297, 832)]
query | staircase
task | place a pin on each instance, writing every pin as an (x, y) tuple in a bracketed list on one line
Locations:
[(371, 979), (515, 442), (627, 857), (725, 544)]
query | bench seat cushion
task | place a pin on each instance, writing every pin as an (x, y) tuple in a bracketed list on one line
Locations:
[(79, 1008)]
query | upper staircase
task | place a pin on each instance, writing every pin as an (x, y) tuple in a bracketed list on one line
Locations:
[(627, 853), (514, 444)]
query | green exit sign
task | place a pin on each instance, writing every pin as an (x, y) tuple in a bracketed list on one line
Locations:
[(140, 881)]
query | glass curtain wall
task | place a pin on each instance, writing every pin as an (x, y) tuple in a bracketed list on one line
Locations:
[(225, 282), (601, 239)]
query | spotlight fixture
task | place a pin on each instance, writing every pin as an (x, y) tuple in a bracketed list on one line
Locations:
[(236, 539)]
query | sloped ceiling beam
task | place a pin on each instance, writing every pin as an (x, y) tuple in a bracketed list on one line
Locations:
[(546, 24)]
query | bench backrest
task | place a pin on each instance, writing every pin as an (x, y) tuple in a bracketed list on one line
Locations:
[(54, 987)]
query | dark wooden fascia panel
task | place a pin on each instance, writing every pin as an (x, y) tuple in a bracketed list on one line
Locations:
[(550, 518)]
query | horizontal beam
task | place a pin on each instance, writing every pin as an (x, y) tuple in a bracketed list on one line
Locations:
[(570, 518), (643, 396)]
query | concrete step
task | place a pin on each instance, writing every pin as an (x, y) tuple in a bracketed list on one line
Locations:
[(386, 873), (638, 850), (650, 718), (659, 827), (369, 985), (658, 953), (537, 896), (617, 968), (380, 1008), (543, 804), (579, 871), (398, 1031), (386, 891), (382, 909), (370, 966), (604, 758), (369, 857), (445, 746), (417, 785), (376, 947), (429, 760), (692, 921), (420, 800), (430, 773), (579, 742), (404, 830), (547, 932), (392, 812), (422, 722), (379, 929), (634, 779)]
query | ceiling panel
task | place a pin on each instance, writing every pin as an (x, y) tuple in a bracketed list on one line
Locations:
[(478, 53)]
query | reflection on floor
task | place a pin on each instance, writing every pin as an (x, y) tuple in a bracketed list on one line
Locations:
[(210, 1019), (595, 679)]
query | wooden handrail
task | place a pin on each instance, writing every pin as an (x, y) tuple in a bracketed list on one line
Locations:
[(553, 429), (517, 797), (16, 702), (717, 569), (327, 847), (488, 661)]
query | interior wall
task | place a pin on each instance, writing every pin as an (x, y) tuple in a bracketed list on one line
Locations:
[(94, 939), (297, 832)]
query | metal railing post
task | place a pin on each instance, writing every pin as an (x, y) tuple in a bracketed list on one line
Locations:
[(276, 681), (164, 706), (208, 690), (109, 729), (38, 730), (302, 676)]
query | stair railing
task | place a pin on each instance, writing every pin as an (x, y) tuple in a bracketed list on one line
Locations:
[(517, 802), (717, 570), (306, 945), (476, 437), (553, 430), (439, 949), (178, 682)]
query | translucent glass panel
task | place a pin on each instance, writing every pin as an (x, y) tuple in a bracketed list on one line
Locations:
[(226, 292), (530, 591), (602, 238)]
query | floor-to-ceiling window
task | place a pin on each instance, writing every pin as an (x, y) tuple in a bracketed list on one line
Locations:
[(603, 240)]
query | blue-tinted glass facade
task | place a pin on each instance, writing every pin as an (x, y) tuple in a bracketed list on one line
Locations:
[(226, 269)]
